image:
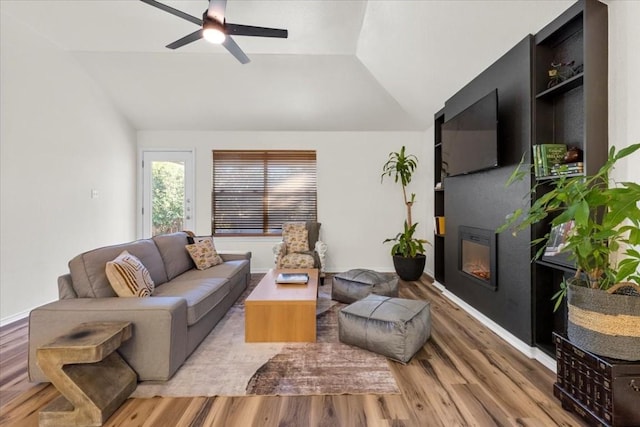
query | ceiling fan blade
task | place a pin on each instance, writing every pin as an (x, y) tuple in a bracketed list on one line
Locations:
[(216, 9), (248, 30), (173, 11), (235, 50), (186, 39)]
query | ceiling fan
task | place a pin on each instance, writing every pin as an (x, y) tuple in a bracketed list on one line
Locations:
[(216, 30)]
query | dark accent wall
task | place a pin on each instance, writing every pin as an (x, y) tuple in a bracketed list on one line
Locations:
[(481, 199)]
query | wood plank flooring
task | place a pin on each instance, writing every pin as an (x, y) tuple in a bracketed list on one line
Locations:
[(464, 376)]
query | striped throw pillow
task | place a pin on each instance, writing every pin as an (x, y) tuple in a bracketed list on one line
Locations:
[(129, 277)]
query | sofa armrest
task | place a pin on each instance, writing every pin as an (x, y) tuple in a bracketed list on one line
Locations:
[(65, 287), (279, 250), (155, 351), (234, 255), (321, 249)]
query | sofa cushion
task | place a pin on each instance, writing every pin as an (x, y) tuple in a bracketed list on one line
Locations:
[(129, 277), (204, 254), (295, 236), (88, 269), (175, 257), (297, 260), (225, 270), (201, 295)]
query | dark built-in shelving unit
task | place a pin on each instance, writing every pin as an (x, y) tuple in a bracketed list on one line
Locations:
[(438, 198), (573, 112)]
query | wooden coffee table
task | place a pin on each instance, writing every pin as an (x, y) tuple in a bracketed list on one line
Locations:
[(282, 313)]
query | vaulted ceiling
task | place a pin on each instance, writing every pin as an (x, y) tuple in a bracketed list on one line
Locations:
[(347, 65)]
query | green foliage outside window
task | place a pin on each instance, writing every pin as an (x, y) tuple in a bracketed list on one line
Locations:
[(167, 197)]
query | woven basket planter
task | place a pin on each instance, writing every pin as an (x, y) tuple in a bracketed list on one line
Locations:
[(603, 323)]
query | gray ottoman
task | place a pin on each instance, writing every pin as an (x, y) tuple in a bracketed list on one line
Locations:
[(354, 285), (393, 327)]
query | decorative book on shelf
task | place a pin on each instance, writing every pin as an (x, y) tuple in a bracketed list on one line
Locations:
[(548, 160), (556, 243), (439, 225), (292, 278)]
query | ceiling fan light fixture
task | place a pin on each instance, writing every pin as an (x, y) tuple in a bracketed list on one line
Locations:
[(213, 35), (212, 30)]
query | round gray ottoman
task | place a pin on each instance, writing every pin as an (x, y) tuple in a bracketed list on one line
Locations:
[(354, 285), (394, 327)]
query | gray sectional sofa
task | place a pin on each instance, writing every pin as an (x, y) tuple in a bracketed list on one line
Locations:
[(185, 306)]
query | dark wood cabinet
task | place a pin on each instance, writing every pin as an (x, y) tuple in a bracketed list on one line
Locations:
[(604, 392), (572, 111)]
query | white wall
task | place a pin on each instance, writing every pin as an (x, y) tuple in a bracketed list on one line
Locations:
[(60, 139), (624, 83), (357, 211)]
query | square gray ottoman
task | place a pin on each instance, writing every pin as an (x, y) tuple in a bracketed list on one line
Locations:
[(356, 284), (394, 327)]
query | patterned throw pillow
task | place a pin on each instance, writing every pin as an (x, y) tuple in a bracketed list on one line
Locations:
[(204, 254), (296, 237), (129, 277)]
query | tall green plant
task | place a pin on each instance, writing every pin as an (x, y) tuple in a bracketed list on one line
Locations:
[(401, 166), (606, 220), (406, 245)]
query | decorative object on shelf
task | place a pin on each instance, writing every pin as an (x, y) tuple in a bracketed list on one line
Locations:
[(574, 154), (558, 238), (561, 71), (408, 252), (606, 224), (439, 225), (547, 157)]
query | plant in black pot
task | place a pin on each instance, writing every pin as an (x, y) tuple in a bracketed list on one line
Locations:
[(408, 251), (602, 239)]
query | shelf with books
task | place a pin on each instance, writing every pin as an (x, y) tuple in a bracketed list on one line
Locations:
[(553, 160), (438, 198), (572, 112)]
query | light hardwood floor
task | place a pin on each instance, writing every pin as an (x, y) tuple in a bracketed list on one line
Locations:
[(464, 376)]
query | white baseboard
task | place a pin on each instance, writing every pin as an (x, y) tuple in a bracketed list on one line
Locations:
[(531, 352), (14, 318), (439, 286)]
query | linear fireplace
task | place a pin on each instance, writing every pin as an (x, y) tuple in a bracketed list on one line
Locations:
[(477, 255)]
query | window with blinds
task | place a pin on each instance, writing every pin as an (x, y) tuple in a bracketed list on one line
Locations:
[(254, 192)]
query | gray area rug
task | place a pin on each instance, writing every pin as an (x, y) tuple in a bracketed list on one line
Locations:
[(224, 365)]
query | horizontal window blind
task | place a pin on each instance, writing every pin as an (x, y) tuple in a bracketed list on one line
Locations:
[(254, 192)]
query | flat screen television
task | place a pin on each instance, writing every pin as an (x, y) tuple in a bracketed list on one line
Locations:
[(470, 139)]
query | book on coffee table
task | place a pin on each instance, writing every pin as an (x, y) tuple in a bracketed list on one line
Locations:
[(292, 278)]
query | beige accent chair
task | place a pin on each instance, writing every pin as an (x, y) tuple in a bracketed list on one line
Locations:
[(301, 247)]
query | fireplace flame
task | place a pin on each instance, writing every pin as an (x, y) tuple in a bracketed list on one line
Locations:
[(478, 269)]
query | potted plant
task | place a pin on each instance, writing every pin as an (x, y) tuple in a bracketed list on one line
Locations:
[(604, 294), (408, 252)]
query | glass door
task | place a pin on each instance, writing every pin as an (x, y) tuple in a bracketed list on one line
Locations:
[(167, 192)]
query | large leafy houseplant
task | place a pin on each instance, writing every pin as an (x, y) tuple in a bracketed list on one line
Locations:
[(606, 219), (408, 251), (602, 243)]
